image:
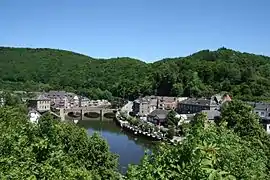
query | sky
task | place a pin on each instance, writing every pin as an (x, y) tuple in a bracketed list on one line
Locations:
[(148, 30)]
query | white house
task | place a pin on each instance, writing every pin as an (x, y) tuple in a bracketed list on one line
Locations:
[(34, 116), (263, 110)]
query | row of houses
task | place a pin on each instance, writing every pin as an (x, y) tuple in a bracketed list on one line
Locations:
[(62, 99), (145, 105), (156, 108), (59, 99), (182, 105)]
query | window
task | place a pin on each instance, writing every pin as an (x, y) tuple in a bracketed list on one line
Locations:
[(262, 113), (269, 114)]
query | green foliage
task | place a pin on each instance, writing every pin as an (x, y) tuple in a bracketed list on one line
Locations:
[(241, 118), (51, 150), (244, 75), (10, 99), (171, 132), (171, 119), (208, 152)]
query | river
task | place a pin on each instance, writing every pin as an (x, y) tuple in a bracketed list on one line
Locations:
[(129, 147)]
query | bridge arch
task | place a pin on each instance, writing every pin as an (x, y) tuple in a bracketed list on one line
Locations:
[(90, 112)]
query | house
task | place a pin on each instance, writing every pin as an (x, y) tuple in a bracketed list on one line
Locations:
[(196, 105), (144, 106), (263, 110), (34, 116), (158, 116), (62, 99), (84, 102), (59, 99), (165, 102), (102, 102), (40, 104)]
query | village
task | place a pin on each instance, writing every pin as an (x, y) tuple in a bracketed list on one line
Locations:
[(39, 103), (151, 109)]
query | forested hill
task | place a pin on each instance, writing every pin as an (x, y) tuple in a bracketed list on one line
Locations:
[(245, 75)]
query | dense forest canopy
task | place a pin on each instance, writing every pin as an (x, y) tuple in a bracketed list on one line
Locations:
[(206, 72)]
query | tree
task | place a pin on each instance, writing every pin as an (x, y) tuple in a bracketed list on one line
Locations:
[(200, 74), (171, 132), (194, 86), (177, 89), (11, 99), (208, 152), (51, 150), (241, 118), (171, 118)]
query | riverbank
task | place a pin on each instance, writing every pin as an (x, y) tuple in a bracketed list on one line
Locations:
[(153, 136), (146, 129)]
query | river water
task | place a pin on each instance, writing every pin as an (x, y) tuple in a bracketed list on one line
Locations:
[(130, 148)]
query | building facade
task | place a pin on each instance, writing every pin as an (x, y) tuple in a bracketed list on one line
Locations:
[(84, 102), (158, 116), (43, 105), (263, 110), (169, 103), (144, 106), (39, 105), (59, 99), (194, 105)]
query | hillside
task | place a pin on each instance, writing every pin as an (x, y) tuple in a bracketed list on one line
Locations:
[(201, 74)]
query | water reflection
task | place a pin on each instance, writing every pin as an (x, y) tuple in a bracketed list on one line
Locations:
[(129, 147)]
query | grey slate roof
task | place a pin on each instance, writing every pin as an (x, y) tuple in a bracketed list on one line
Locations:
[(211, 114), (160, 113), (197, 101), (167, 98), (261, 106), (42, 97), (57, 93)]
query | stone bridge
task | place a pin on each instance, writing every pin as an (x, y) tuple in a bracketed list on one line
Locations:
[(83, 110)]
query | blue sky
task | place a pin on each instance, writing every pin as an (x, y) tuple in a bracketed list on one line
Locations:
[(145, 29)]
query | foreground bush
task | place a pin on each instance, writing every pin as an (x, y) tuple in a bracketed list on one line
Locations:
[(51, 150), (209, 152)]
